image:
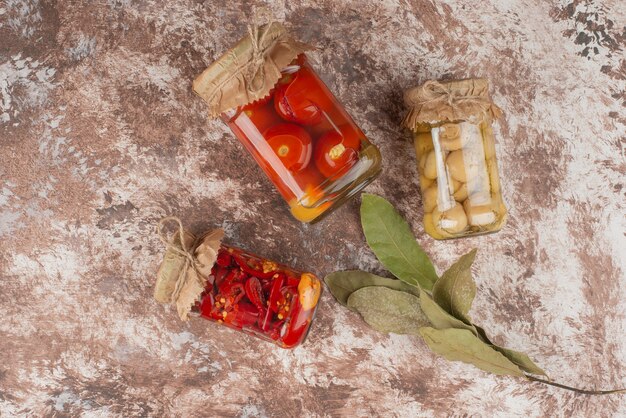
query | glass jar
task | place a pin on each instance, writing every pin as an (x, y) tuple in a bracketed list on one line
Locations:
[(274, 102), (260, 297), (458, 170), (207, 278), (306, 143)]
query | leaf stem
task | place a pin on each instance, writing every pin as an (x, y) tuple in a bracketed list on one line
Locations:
[(583, 391)]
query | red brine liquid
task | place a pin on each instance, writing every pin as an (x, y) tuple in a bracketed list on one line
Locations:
[(260, 297), (306, 142)]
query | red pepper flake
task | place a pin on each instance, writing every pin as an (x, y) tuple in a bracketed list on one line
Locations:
[(269, 266)]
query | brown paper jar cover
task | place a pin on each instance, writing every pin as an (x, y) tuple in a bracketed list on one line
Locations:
[(249, 70), (449, 101), (182, 275)]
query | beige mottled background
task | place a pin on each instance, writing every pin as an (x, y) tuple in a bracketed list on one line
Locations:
[(100, 136)]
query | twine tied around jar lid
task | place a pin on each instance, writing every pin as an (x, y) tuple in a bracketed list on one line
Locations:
[(249, 70), (186, 266), (448, 101), (256, 63)]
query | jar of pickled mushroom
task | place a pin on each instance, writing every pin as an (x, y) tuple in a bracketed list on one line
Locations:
[(274, 102), (206, 278), (455, 147)]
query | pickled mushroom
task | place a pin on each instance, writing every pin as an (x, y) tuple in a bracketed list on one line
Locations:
[(454, 185), (451, 221), (449, 131), (428, 164), (451, 138), (481, 215), (432, 230), (429, 198), (422, 143), (456, 166), (460, 194), (425, 182)]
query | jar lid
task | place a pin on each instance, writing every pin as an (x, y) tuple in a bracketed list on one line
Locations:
[(447, 101), (249, 70), (186, 266)]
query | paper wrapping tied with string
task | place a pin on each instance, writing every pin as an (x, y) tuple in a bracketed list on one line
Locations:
[(448, 101), (186, 266), (250, 70)]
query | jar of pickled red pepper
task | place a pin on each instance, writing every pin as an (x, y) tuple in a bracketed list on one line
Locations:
[(455, 147), (274, 102), (225, 284)]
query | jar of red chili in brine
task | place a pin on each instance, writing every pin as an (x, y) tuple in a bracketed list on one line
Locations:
[(456, 156), (266, 91), (225, 284)]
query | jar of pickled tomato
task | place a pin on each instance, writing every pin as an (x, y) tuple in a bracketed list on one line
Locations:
[(230, 286), (286, 117), (455, 147)]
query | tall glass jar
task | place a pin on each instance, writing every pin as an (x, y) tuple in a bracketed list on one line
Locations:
[(306, 143), (298, 132), (456, 156)]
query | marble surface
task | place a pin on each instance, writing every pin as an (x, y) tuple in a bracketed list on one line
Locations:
[(101, 136)]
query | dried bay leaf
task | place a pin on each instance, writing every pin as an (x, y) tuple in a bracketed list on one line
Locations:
[(517, 357), (439, 318), (521, 359), (387, 310), (393, 242), (455, 290), (462, 345), (482, 334), (343, 283)]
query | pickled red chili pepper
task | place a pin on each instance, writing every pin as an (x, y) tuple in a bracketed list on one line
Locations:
[(254, 292), (260, 297)]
